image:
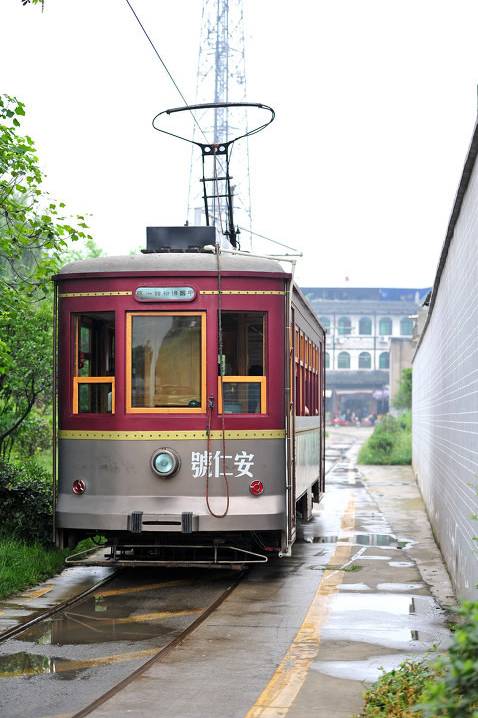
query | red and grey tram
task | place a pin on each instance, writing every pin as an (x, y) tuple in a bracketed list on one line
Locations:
[(190, 402)]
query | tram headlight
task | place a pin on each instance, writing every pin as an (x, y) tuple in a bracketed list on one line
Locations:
[(165, 463)]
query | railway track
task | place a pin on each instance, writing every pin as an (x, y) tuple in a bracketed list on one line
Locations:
[(51, 610), (162, 652), (103, 639)]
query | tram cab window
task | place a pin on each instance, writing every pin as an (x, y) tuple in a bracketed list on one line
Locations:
[(94, 363), (242, 387), (166, 362)]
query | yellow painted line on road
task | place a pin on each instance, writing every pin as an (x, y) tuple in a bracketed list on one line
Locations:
[(278, 696), (140, 617), (138, 589), (37, 592)]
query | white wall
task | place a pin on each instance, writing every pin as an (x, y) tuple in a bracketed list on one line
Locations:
[(445, 403)]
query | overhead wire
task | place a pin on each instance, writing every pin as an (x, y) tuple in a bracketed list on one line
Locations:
[(156, 52), (269, 239), (170, 75)]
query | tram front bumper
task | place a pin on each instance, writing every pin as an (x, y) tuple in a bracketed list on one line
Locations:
[(101, 513)]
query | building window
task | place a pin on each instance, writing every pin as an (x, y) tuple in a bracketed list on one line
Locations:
[(166, 362), (365, 325), (365, 360), (327, 360), (384, 360), (94, 363), (325, 321), (242, 387), (385, 326), (344, 326), (343, 360), (406, 327)]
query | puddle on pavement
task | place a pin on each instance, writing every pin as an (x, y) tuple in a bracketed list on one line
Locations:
[(368, 670), (401, 564), (360, 539), (102, 622), (400, 586), (31, 664), (401, 622), (354, 587)]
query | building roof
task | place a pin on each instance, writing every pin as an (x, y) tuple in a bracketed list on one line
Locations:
[(383, 308), (344, 378), (374, 294)]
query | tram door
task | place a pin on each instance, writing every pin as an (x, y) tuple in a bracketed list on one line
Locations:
[(291, 506)]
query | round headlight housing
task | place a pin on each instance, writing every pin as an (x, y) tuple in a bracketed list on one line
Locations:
[(165, 463)]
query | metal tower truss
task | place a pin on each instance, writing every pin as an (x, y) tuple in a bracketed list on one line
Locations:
[(221, 79)]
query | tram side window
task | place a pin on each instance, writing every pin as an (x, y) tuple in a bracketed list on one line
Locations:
[(307, 377), (242, 387), (94, 363)]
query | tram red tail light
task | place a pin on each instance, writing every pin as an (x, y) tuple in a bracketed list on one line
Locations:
[(78, 487), (256, 488)]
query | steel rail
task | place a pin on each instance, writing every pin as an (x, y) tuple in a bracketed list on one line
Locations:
[(20, 627), (162, 652)]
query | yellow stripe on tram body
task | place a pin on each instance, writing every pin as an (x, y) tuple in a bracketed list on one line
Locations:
[(283, 688), (257, 434), (242, 291), (67, 295)]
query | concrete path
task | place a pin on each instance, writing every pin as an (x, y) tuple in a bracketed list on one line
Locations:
[(302, 637)]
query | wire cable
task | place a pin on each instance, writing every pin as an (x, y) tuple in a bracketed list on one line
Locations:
[(183, 98), (269, 239), (164, 65)]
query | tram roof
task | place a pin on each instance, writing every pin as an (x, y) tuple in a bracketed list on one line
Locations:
[(173, 262)]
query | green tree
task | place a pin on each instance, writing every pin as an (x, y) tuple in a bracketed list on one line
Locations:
[(403, 400), (34, 233)]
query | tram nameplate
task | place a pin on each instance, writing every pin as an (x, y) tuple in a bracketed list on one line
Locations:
[(165, 294)]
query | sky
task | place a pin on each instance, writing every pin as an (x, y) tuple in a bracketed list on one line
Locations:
[(376, 103)]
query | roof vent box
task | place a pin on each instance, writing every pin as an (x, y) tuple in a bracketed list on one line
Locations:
[(178, 239)]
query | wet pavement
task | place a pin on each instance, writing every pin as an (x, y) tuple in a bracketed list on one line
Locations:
[(304, 635), (62, 664), (298, 637), (26, 606)]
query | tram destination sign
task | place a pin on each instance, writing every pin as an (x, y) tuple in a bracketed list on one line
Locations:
[(165, 294)]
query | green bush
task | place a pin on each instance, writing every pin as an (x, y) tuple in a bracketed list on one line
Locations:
[(454, 694), (26, 501), (395, 694), (390, 443)]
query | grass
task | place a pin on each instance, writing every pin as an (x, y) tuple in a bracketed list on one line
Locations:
[(390, 443), (23, 565), (396, 693)]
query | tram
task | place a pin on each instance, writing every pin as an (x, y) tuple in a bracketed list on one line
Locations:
[(189, 403)]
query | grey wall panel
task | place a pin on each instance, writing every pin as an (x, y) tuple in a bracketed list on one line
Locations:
[(307, 459), (445, 404)]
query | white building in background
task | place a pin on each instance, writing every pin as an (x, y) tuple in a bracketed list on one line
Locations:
[(360, 323)]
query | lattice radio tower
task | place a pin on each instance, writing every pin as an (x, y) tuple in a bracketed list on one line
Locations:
[(221, 77)]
